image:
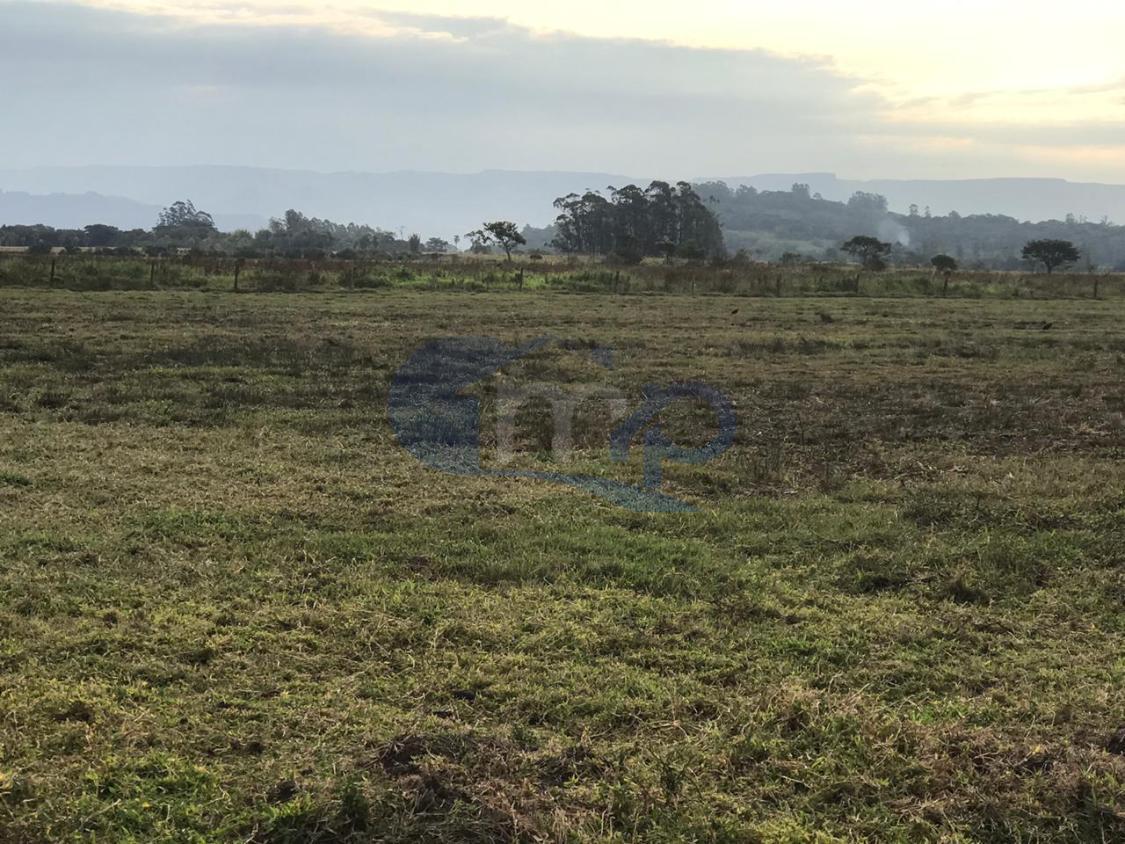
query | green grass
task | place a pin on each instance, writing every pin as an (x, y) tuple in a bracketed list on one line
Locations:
[(92, 273), (232, 608)]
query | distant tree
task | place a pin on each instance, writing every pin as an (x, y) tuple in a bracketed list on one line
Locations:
[(699, 228), (184, 213), (870, 250), (99, 234), (478, 242), (499, 232), (182, 222), (944, 263), (414, 244), (867, 203), (436, 244), (296, 235), (1051, 253), (240, 242)]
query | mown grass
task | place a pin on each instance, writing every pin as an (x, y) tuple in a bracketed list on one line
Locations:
[(233, 608)]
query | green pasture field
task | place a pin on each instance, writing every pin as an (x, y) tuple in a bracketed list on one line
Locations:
[(233, 608)]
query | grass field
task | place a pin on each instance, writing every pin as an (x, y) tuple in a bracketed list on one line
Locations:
[(233, 608)]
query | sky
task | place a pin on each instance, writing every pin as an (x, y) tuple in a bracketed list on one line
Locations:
[(913, 89)]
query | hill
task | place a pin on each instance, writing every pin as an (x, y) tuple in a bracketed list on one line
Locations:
[(1024, 199)]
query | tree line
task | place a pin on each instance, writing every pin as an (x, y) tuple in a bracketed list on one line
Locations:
[(633, 223), (182, 226), (769, 225), (1049, 253)]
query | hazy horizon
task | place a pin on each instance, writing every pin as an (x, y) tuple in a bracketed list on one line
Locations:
[(448, 204), (476, 171)]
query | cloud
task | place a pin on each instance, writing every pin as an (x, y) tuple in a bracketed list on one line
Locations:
[(462, 93), (385, 91)]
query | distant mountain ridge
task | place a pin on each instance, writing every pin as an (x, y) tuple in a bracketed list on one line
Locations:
[(446, 204), (73, 211)]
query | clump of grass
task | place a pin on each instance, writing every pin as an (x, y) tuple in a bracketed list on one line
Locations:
[(14, 479)]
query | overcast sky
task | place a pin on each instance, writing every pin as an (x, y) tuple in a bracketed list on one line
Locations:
[(916, 89)]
